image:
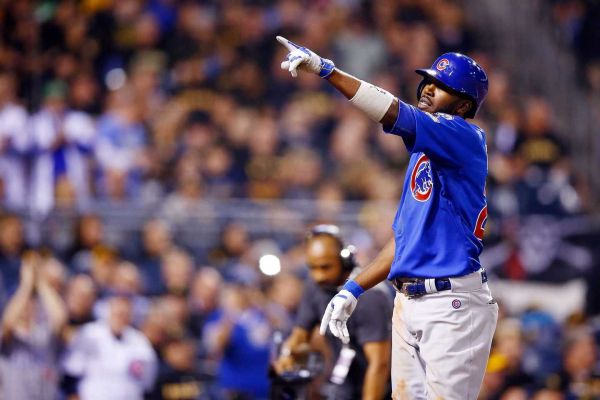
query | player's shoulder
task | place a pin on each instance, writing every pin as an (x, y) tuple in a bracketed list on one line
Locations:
[(477, 130), (457, 123)]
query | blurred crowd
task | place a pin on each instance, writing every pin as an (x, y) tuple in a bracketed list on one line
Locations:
[(184, 100), (175, 102)]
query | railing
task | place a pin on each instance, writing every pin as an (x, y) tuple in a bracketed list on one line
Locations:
[(199, 225)]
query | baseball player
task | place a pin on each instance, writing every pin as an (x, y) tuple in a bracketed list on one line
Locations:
[(444, 315)]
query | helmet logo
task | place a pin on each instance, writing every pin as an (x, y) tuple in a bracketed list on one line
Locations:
[(442, 64)]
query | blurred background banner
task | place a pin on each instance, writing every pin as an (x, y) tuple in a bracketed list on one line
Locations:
[(154, 148)]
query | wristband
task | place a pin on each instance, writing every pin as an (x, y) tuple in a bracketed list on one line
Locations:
[(354, 288), (327, 68), (372, 100)]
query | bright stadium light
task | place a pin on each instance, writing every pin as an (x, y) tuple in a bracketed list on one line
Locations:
[(269, 265), (115, 79)]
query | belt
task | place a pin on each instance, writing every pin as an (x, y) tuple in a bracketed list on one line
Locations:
[(417, 287)]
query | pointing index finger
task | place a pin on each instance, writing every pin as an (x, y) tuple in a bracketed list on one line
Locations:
[(289, 45)]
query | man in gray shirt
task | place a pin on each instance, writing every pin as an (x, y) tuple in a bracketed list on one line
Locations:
[(30, 336), (362, 368)]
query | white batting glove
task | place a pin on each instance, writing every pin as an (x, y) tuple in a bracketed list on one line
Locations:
[(337, 313), (299, 55)]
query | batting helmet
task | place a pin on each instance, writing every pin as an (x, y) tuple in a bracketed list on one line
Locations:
[(459, 75)]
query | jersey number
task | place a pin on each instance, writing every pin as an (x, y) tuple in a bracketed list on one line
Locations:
[(480, 225)]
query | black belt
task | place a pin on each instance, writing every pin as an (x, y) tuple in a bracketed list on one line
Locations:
[(417, 287)]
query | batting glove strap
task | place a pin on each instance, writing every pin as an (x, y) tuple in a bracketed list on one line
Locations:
[(327, 67)]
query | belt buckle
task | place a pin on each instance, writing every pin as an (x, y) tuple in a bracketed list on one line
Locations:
[(404, 290)]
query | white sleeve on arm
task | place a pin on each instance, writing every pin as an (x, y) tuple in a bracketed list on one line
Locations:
[(372, 100)]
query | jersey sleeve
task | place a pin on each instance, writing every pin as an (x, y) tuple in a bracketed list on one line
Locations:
[(444, 138), (373, 326)]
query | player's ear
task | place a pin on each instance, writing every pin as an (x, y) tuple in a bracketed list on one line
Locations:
[(463, 107)]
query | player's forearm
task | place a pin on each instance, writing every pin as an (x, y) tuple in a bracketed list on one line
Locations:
[(378, 369), (376, 377), (379, 268), (345, 83)]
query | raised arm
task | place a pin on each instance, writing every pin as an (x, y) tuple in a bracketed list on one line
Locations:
[(377, 103), (53, 304), (18, 303)]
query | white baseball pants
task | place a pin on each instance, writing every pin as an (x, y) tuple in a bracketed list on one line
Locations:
[(441, 341)]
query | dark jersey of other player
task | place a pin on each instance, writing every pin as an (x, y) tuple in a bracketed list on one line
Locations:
[(370, 322), (442, 213)]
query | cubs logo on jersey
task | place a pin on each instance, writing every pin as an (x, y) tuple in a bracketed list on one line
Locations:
[(421, 179)]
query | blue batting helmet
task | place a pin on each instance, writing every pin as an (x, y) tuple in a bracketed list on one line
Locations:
[(459, 75)]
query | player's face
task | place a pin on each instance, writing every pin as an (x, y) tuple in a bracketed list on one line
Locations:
[(323, 260), (434, 99)]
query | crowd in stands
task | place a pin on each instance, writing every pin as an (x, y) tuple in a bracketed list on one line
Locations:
[(173, 102)]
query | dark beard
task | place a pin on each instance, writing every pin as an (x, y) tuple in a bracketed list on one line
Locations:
[(449, 109)]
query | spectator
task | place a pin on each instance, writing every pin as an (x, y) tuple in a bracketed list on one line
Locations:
[(541, 158), (204, 298), (157, 241), (125, 281), (30, 337), (508, 341), (234, 243), (89, 234), (241, 337), (121, 146), (111, 359), (580, 376), (187, 198), (14, 143), (12, 244), (63, 142), (177, 269), (179, 378), (80, 298)]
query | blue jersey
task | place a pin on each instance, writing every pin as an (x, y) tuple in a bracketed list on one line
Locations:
[(439, 224)]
